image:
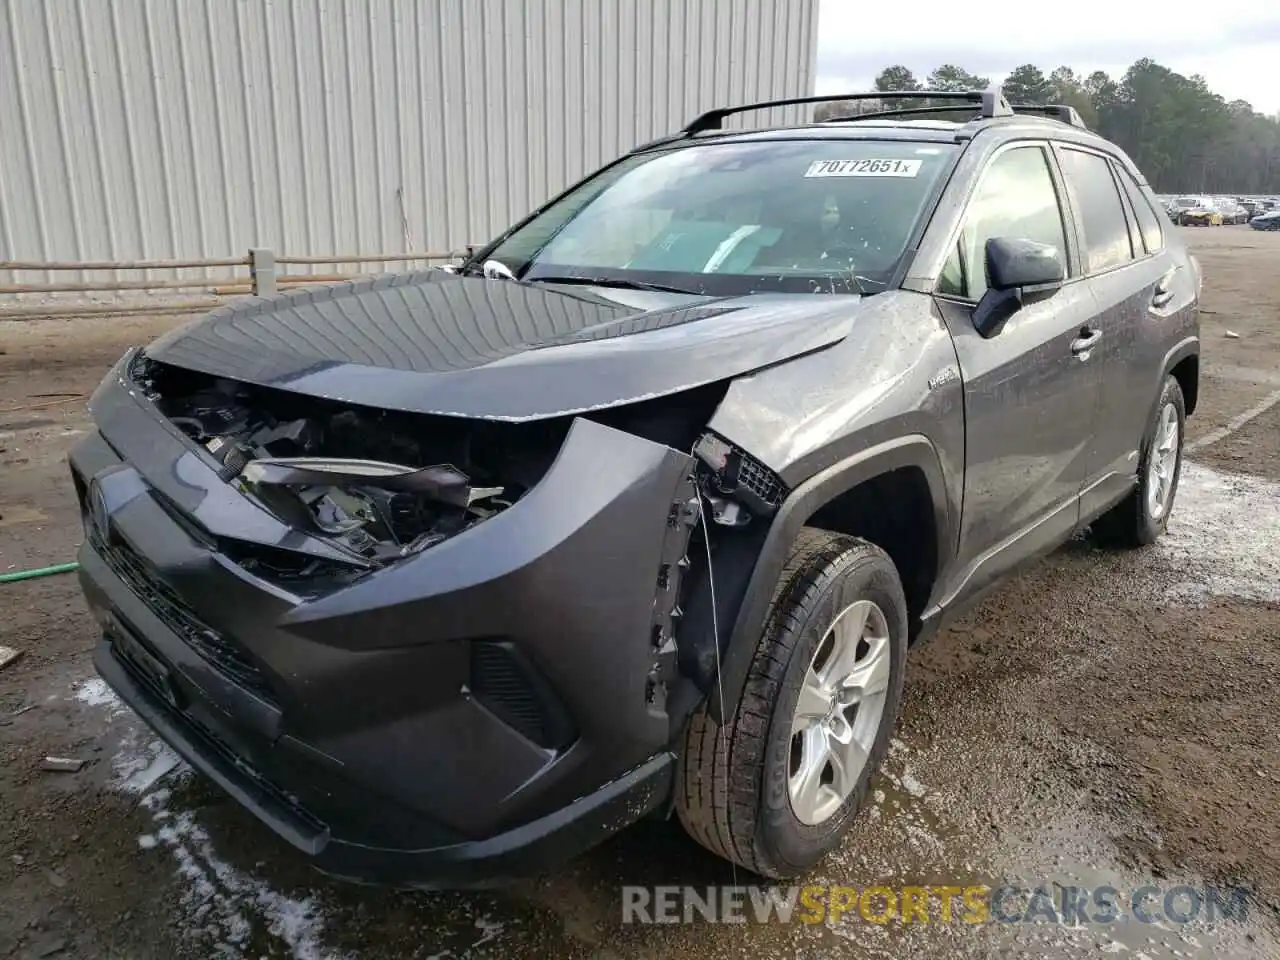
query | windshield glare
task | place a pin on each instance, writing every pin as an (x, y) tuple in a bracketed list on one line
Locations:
[(829, 216)]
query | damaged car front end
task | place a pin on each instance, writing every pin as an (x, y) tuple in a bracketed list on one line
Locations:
[(434, 572), (425, 650)]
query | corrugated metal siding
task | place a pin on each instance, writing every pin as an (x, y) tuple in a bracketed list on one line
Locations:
[(197, 128)]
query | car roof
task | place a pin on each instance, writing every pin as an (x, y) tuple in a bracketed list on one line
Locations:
[(994, 116), (913, 130)]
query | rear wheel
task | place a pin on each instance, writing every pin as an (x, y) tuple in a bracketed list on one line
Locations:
[(1144, 515), (776, 788)]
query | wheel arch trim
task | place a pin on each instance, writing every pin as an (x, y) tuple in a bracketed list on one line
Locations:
[(1187, 347), (911, 450)]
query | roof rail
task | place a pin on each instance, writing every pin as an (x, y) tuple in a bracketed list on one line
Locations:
[(1054, 111), (1059, 112), (991, 100), (905, 112)]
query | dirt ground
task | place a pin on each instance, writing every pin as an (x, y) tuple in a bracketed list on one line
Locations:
[(1102, 719)]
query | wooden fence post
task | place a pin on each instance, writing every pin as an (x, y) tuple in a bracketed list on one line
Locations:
[(262, 272)]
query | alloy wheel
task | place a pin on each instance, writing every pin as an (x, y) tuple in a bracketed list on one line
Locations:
[(1162, 463), (839, 711)]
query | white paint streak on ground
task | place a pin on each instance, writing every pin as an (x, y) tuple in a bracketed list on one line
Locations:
[(94, 692), (1225, 535), (489, 928), (142, 763), (221, 905), (220, 901), (912, 785)]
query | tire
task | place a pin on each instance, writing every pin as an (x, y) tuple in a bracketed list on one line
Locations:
[(733, 788), (1133, 522)]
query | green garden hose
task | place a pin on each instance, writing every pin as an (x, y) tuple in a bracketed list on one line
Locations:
[(38, 572)]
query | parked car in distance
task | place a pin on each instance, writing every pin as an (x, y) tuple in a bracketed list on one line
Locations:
[(1266, 221), (1177, 204), (1198, 212), (1233, 212), (449, 575)]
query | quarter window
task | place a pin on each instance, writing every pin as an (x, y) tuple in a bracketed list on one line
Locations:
[(1131, 217), (1017, 199), (1099, 210), (1148, 221)]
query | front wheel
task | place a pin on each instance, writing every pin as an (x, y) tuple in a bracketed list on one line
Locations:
[(1144, 515), (776, 788)]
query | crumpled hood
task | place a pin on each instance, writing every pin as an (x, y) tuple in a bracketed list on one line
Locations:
[(432, 342)]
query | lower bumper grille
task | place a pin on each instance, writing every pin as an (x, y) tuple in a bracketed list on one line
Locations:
[(220, 651), (226, 753), (520, 696)]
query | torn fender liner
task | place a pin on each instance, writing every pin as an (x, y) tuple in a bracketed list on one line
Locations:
[(436, 343)]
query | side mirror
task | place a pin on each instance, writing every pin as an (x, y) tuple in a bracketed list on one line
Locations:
[(1018, 272)]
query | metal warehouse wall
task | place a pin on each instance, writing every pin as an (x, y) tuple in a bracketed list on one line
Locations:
[(198, 128)]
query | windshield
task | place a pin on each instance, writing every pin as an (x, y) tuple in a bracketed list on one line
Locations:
[(829, 216), (1188, 201)]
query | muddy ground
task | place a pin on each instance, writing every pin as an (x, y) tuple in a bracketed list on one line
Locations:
[(1102, 719)]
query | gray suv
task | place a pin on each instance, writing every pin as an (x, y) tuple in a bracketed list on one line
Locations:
[(449, 575)]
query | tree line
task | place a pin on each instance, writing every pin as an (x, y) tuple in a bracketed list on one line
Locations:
[(1182, 135)]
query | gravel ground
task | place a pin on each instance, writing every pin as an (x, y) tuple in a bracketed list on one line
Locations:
[(1102, 719)]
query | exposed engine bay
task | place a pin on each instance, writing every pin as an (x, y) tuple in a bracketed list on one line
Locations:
[(380, 484), (383, 485)]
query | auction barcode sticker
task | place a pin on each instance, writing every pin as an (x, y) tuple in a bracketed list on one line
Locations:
[(863, 168)]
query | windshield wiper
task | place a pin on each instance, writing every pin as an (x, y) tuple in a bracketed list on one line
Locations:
[(612, 282)]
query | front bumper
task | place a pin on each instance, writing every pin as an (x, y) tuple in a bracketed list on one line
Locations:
[(484, 709)]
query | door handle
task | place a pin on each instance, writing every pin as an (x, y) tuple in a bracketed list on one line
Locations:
[(1163, 295), (1082, 344)]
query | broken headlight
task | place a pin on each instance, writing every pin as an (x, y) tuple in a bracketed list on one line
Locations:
[(737, 481)]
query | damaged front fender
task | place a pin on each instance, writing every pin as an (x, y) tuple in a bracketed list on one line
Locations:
[(582, 576), (522, 662)]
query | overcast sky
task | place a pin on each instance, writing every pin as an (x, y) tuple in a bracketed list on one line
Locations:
[(1235, 44)]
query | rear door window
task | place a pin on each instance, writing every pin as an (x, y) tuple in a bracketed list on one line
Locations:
[(1098, 209)]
